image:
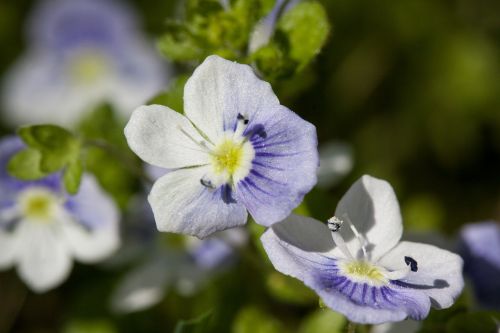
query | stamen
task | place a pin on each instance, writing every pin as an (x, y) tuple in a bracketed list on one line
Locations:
[(334, 224), (207, 183), (361, 239), (402, 273), (202, 144), (241, 126), (412, 263)]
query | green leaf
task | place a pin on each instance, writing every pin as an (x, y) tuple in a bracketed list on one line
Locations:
[(196, 325), (273, 62), (323, 321), (306, 27), (93, 326), (255, 320), (56, 145), (289, 290), (72, 176), (179, 44), (476, 322), (112, 173), (47, 137), (25, 165), (173, 97)]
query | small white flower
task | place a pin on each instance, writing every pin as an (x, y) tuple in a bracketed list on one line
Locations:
[(236, 149), (42, 228), (357, 264), (81, 53)]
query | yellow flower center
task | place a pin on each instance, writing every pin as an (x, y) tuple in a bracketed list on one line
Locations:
[(364, 271), (88, 67), (38, 204), (228, 156)]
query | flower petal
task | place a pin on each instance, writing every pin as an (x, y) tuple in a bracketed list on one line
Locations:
[(44, 259), (479, 246), (142, 288), (219, 90), (92, 228), (294, 254), (439, 274), (9, 246), (372, 207), (165, 138), (182, 204), (141, 74), (284, 167)]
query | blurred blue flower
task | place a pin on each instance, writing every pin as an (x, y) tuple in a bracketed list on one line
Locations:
[(264, 30), (185, 269), (81, 53), (361, 269), (480, 247), (42, 228), (236, 149)]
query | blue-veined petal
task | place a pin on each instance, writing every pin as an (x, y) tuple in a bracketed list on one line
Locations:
[(298, 247), (182, 204), (165, 138), (90, 223), (284, 167), (372, 206), (219, 90), (439, 273)]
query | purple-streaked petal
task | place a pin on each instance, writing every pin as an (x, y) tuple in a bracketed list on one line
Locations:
[(219, 90), (217, 251), (59, 24), (44, 261), (141, 74), (439, 274), (182, 204), (91, 224), (294, 255), (165, 138), (480, 248), (372, 207), (284, 167)]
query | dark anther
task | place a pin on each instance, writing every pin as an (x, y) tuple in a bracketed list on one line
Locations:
[(207, 183), (242, 117), (412, 263), (334, 223)]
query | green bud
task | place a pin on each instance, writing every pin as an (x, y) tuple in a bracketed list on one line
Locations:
[(306, 27)]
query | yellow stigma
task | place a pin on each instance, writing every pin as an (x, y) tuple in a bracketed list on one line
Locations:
[(87, 68), (364, 271), (227, 156), (38, 204)]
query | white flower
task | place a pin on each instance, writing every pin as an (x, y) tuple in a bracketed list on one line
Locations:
[(360, 268), (42, 228), (235, 149), (81, 53)]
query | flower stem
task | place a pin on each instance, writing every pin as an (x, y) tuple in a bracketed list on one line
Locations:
[(127, 161), (351, 327)]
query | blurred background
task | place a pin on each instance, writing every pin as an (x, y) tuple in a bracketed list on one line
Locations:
[(406, 91)]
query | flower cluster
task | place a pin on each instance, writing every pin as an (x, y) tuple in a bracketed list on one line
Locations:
[(237, 149)]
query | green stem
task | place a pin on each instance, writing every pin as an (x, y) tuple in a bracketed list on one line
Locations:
[(351, 327), (127, 161)]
